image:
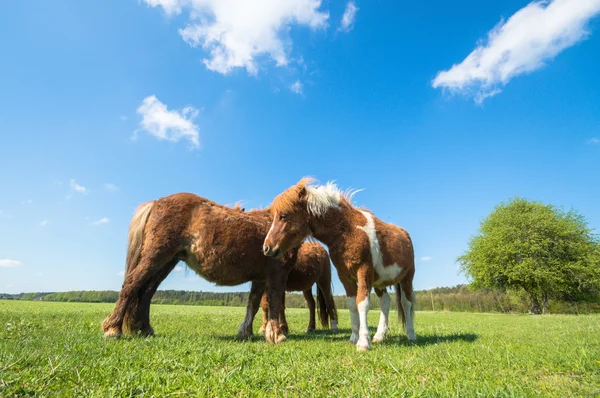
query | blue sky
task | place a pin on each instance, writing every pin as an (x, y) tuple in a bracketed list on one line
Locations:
[(439, 110)]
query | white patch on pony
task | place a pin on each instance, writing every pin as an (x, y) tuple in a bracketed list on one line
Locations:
[(385, 274), (354, 320), (410, 327), (334, 324), (364, 340), (384, 303), (322, 198)]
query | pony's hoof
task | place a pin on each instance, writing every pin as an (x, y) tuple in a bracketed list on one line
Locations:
[(262, 329), (112, 333), (243, 336), (378, 338), (310, 330), (284, 329), (364, 343), (147, 332), (353, 338), (273, 334)]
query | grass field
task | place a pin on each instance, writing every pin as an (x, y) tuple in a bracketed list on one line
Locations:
[(57, 349)]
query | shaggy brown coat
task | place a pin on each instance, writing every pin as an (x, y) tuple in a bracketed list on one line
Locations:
[(221, 244)]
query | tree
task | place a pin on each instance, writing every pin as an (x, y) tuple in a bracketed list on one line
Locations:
[(545, 251)]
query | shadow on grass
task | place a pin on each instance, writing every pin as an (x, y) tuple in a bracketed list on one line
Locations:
[(344, 335)]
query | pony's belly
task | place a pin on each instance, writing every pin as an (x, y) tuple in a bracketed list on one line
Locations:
[(215, 274), (387, 275)]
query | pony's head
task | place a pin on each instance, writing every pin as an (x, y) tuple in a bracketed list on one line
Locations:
[(290, 220), (293, 210)]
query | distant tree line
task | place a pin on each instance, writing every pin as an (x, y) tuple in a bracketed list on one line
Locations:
[(461, 298)]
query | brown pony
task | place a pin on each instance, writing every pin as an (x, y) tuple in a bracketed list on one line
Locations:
[(221, 244), (312, 266), (366, 251)]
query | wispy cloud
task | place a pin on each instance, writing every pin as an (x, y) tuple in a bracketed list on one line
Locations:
[(27, 202), (237, 32), (178, 268), (296, 87), (6, 263), (593, 141), (103, 220), (349, 17), (121, 273), (168, 125), (111, 187), (78, 188), (426, 258), (123, 118), (531, 37), (44, 223)]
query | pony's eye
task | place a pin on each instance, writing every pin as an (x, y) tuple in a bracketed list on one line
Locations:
[(282, 217)]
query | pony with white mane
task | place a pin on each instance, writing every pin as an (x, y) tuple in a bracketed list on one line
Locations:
[(366, 251)]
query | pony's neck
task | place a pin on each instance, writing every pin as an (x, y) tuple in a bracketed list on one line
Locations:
[(333, 225)]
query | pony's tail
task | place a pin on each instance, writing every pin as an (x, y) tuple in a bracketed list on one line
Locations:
[(134, 250), (136, 235), (322, 308), (401, 315)]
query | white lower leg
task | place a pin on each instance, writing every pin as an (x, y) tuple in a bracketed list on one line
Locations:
[(384, 303), (364, 340), (334, 324), (410, 327), (355, 322)]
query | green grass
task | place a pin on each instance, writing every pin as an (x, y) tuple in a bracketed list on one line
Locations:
[(57, 349)]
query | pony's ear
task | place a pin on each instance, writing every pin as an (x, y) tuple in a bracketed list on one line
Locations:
[(302, 192)]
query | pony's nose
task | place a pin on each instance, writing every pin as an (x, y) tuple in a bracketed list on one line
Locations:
[(266, 250)]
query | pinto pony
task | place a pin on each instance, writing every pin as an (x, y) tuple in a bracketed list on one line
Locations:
[(312, 266), (366, 251), (221, 244)]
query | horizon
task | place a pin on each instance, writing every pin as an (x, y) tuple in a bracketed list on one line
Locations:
[(438, 116)]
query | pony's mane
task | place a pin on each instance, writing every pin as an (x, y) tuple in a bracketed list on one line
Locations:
[(320, 198)]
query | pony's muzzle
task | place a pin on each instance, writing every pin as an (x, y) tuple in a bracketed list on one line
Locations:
[(267, 251)]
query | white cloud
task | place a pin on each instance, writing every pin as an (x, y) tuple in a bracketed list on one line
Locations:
[(103, 220), (349, 17), (593, 141), (426, 258), (44, 223), (78, 188), (6, 263), (237, 32), (296, 87), (121, 273), (178, 268), (168, 125), (111, 187), (525, 42)]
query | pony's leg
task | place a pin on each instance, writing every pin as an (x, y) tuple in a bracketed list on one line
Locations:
[(325, 289), (282, 320), (142, 318), (148, 265), (264, 303), (276, 292), (407, 298), (351, 291), (365, 282), (384, 303), (310, 301), (256, 292)]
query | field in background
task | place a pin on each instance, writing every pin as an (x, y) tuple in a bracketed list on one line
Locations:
[(57, 349)]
